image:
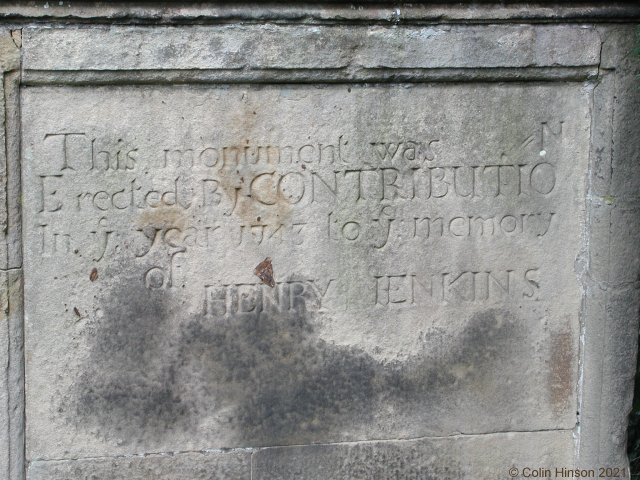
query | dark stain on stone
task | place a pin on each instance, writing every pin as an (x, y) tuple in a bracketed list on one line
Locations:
[(128, 382), (152, 371), (411, 460)]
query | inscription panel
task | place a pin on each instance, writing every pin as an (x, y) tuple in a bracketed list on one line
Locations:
[(423, 241)]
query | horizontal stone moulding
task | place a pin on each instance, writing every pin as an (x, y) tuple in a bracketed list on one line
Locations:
[(321, 47), (318, 76), (316, 13)]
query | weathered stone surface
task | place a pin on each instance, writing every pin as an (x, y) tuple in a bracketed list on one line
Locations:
[(9, 60), (442, 204), (11, 354), (408, 303), (4, 380), (475, 457), (11, 376), (610, 279), (314, 13), (180, 466), (291, 47)]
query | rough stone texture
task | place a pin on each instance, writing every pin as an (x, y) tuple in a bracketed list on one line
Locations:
[(4, 370), (367, 11), (11, 376), (11, 325), (9, 237), (611, 275), (484, 457), (179, 466), (291, 47), (448, 197), (405, 306)]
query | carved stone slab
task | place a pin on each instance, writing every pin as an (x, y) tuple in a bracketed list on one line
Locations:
[(304, 242), (418, 237)]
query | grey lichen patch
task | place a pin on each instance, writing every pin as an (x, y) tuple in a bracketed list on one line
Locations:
[(267, 378)]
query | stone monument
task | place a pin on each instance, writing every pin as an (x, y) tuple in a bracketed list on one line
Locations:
[(328, 241)]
